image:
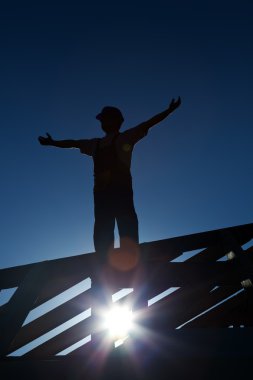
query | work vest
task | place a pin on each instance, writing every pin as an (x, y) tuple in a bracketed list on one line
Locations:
[(110, 173)]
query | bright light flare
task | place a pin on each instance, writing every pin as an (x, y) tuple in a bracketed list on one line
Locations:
[(119, 322)]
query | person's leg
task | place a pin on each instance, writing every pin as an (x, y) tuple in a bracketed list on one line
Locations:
[(128, 256), (103, 241), (127, 218), (104, 225)]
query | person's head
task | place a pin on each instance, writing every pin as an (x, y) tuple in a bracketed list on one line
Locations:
[(111, 119)]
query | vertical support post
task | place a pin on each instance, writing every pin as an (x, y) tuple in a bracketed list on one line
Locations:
[(230, 245), (234, 250), (20, 304)]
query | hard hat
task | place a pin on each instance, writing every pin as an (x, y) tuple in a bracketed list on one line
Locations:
[(111, 113)]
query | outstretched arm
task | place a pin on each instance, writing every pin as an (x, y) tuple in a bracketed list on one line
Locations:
[(174, 104), (58, 143)]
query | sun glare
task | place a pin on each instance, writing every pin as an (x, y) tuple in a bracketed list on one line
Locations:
[(119, 322)]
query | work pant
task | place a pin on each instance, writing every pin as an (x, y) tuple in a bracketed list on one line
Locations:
[(110, 207)]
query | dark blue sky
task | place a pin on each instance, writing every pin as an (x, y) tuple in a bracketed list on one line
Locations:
[(62, 62)]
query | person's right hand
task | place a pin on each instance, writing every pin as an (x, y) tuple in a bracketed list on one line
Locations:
[(46, 140), (174, 104)]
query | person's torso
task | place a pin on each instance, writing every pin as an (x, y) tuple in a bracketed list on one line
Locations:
[(112, 162)]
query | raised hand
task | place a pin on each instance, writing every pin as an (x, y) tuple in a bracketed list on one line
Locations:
[(46, 140), (174, 104)]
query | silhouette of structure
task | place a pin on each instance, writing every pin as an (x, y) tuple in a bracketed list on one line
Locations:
[(204, 346)]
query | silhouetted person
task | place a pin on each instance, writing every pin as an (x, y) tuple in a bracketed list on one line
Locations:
[(113, 194)]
